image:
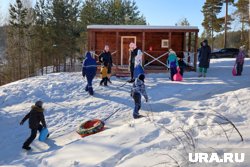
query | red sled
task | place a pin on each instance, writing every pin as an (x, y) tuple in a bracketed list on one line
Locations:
[(177, 76), (90, 127), (234, 72)]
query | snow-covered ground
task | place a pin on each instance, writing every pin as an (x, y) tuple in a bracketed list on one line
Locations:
[(180, 118)]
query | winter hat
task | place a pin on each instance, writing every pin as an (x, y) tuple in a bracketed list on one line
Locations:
[(39, 104), (172, 51), (242, 47), (141, 77), (206, 41)]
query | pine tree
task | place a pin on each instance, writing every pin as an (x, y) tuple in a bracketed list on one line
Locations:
[(227, 20), (183, 22), (123, 12), (74, 30), (211, 23), (17, 32), (42, 39), (242, 13)]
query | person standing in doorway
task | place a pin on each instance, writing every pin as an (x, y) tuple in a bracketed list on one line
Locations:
[(106, 58), (204, 57)]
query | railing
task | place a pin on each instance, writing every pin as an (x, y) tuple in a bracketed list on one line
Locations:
[(155, 59)]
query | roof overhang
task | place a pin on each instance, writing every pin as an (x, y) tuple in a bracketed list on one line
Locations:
[(141, 27)]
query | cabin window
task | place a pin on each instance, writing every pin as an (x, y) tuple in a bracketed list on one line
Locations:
[(164, 43)]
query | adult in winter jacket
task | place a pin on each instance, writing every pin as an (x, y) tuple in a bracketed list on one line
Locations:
[(205, 53), (35, 117), (106, 58), (199, 50), (133, 53), (240, 60), (89, 68), (172, 63), (137, 91)]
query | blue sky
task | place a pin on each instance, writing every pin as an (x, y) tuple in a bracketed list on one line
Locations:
[(160, 12), (169, 12)]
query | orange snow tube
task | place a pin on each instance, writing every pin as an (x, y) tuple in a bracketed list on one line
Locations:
[(90, 127)]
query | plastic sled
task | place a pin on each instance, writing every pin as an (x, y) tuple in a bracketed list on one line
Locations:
[(43, 134), (177, 76), (234, 72)]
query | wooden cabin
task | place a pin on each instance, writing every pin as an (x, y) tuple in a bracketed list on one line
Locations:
[(154, 41)]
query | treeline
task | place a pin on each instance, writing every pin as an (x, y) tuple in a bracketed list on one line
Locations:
[(234, 39), (213, 24), (53, 33)]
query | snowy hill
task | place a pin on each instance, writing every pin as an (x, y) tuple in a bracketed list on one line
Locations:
[(182, 117)]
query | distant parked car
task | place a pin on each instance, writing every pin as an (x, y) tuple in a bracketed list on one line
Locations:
[(225, 53)]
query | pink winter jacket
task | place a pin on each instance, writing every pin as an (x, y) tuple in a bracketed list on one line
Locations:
[(240, 57)]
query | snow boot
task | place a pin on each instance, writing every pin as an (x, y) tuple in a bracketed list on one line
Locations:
[(86, 88), (138, 116), (91, 92), (26, 148), (109, 81), (131, 81)]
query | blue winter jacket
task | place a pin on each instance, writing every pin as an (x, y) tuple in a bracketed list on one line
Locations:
[(172, 61), (89, 66)]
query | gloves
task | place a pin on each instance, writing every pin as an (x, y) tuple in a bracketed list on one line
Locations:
[(21, 123), (146, 100)]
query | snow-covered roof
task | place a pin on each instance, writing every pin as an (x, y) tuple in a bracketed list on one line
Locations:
[(144, 27)]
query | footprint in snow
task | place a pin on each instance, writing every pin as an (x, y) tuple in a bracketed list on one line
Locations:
[(164, 121), (199, 115), (150, 137)]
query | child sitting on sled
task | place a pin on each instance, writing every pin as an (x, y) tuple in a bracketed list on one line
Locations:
[(35, 117), (137, 90), (104, 74)]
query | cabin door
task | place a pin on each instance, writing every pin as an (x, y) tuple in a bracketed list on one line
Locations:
[(125, 41)]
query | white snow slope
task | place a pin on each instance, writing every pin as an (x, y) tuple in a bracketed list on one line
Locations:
[(180, 118)]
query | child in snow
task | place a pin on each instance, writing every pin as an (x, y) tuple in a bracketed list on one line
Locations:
[(182, 65), (35, 117), (137, 90), (89, 68), (172, 63), (240, 61), (104, 74)]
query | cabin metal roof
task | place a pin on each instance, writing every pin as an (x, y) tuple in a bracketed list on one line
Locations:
[(141, 27)]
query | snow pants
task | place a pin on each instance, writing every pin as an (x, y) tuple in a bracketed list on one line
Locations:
[(132, 70), (173, 71), (89, 87), (137, 99), (239, 68), (32, 136)]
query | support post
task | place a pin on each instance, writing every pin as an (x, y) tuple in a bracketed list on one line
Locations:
[(195, 51)]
